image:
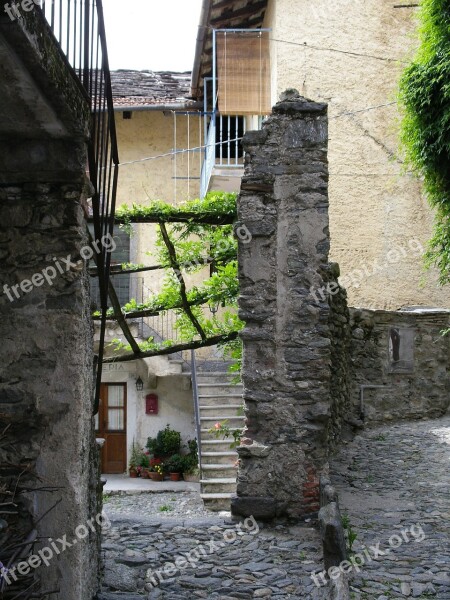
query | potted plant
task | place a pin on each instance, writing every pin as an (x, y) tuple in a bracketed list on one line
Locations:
[(175, 466), (156, 472), (144, 464), (134, 460), (166, 443), (190, 466)]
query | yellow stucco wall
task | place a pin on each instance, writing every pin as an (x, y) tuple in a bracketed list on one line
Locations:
[(150, 134), (378, 216)]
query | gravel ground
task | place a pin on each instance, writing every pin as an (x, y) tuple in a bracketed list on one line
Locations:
[(186, 505)]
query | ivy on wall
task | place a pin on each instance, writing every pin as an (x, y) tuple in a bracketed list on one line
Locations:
[(425, 133)]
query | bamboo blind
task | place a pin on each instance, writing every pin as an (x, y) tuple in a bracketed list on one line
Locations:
[(243, 69)]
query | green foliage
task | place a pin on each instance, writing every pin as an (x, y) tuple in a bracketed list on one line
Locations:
[(135, 455), (350, 533), (221, 429), (197, 245), (190, 460), (175, 464), (425, 136), (166, 443), (214, 204)]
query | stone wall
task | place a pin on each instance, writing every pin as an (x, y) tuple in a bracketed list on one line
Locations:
[(288, 348), (48, 457), (417, 384), (313, 370), (46, 375)]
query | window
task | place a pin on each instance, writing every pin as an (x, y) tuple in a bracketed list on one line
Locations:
[(229, 132), (121, 282)]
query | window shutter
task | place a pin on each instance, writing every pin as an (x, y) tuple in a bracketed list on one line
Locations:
[(243, 70)]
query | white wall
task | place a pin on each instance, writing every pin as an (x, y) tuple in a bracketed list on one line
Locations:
[(176, 406)]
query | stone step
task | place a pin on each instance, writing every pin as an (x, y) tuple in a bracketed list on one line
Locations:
[(220, 407), (227, 458), (207, 436), (217, 418), (222, 389), (220, 400), (217, 395), (217, 502), (219, 485), (219, 480), (215, 380), (219, 445), (217, 496), (202, 384), (218, 470)]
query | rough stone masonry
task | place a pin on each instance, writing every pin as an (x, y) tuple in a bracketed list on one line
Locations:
[(287, 339), (48, 458), (313, 370)]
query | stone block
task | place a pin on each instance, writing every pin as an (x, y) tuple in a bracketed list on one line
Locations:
[(332, 534), (256, 506)]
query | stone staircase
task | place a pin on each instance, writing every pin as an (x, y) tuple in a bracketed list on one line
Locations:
[(219, 400)]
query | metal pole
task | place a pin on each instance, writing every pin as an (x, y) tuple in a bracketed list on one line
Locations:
[(214, 74), (196, 409)]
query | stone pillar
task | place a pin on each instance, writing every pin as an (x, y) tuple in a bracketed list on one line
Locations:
[(48, 457), (283, 273), (46, 378)]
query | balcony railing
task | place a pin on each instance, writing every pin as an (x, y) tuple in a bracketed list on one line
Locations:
[(223, 147), (79, 29)]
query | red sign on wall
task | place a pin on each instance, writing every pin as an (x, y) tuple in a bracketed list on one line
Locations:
[(151, 404)]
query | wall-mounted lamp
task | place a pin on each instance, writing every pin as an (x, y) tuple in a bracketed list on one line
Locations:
[(213, 307), (139, 384)]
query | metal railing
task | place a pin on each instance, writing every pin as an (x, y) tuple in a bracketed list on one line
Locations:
[(198, 427), (79, 28), (223, 146)]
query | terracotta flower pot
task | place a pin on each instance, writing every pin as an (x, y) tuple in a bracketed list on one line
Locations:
[(191, 477), (174, 476), (133, 473), (155, 476)]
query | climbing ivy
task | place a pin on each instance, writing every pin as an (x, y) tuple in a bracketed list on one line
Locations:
[(425, 134), (196, 237), (215, 207)]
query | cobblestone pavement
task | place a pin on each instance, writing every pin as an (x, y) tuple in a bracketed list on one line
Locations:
[(394, 485), (214, 556)]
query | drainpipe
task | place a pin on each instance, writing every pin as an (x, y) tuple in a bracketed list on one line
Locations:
[(201, 34), (361, 394)]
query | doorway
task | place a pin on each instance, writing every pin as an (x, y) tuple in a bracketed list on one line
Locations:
[(111, 424)]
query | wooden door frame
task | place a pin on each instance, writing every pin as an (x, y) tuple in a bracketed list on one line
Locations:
[(103, 418)]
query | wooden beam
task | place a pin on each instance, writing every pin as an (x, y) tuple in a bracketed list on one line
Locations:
[(212, 341), (246, 11), (177, 270), (182, 217)]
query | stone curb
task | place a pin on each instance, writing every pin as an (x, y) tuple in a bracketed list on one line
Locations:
[(333, 539)]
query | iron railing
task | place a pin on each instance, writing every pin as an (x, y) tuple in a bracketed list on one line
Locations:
[(223, 147), (79, 29)]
